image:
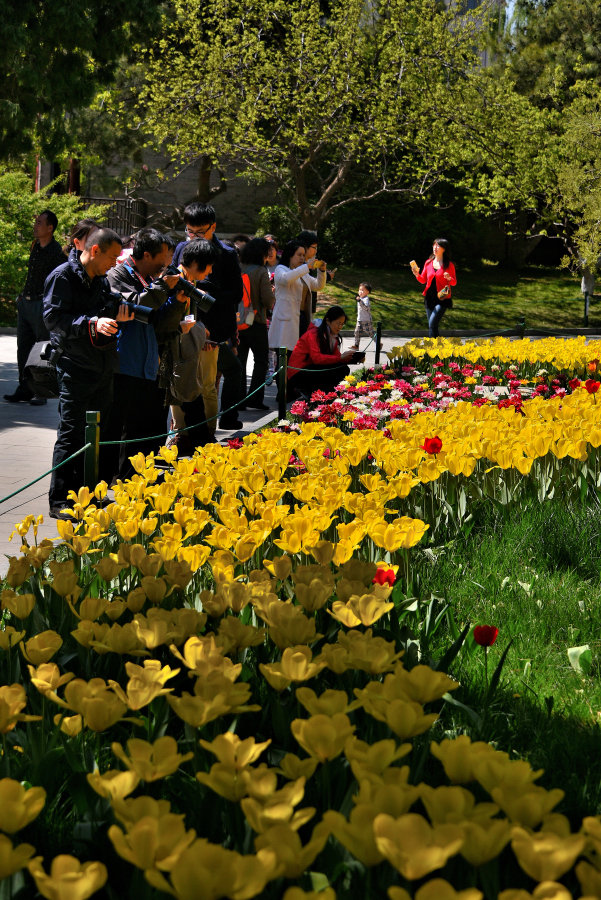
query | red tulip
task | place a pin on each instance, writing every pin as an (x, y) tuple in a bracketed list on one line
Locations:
[(485, 635), (592, 386), (384, 576), (432, 445)]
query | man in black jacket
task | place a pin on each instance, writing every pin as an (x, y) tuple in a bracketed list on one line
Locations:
[(46, 254), (225, 284), (82, 318)]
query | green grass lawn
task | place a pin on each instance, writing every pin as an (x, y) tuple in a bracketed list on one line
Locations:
[(489, 297), (533, 572)]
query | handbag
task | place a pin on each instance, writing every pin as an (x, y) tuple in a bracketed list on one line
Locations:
[(40, 370)]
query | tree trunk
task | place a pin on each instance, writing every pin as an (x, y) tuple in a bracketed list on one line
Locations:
[(205, 192)]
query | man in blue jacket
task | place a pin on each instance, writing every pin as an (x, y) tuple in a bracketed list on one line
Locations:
[(225, 285), (83, 320), (139, 411)]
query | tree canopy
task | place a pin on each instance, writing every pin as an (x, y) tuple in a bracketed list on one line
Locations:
[(54, 58), (333, 103)]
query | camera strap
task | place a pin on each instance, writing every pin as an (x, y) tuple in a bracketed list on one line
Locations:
[(145, 284)]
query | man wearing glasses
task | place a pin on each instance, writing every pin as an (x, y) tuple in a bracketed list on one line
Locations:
[(225, 284)]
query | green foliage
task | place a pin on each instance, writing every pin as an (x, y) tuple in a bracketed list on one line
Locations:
[(19, 205), (332, 107), (54, 58)]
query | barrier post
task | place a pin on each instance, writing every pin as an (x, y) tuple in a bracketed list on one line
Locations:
[(587, 300), (282, 379), (92, 453), (378, 343), (521, 325)]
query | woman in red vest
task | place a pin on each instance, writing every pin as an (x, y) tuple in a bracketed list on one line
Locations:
[(316, 363)]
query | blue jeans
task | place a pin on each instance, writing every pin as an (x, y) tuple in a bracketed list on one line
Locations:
[(434, 316)]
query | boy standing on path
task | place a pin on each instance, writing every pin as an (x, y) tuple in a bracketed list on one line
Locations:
[(365, 323)]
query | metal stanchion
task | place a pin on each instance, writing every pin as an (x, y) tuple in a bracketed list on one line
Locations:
[(282, 379), (587, 300), (522, 325), (378, 343), (92, 453)]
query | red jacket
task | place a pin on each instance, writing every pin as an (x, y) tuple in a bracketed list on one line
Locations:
[(429, 272), (307, 353)]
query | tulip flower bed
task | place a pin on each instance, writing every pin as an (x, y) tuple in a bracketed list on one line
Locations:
[(427, 375), (219, 686)]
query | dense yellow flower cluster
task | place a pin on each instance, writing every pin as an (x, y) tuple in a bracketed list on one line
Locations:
[(222, 630), (566, 355)]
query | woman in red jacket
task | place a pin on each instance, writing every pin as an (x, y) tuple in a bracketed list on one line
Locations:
[(316, 363), (438, 275)]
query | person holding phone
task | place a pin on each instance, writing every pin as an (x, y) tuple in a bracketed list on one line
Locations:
[(438, 275), (316, 363)]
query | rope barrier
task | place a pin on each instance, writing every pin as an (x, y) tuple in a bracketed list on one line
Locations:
[(49, 472)]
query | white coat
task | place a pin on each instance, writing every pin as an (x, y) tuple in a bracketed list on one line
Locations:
[(284, 328)]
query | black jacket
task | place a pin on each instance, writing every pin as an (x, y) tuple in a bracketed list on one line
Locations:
[(72, 301), (225, 284)]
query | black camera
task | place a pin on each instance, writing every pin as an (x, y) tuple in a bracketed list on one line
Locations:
[(202, 301), (141, 313)]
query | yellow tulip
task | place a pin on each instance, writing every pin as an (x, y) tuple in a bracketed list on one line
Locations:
[(153, 842), (422, 683), (458, 756), (373, 758), (589, 878), (69, 879), (95, 701), (18, 806), (293, 768), (484, 839), (291, 857), (546, 856), (235, 753), (454, 804), (323, 737), (19, 570), (296, 664), (414, 847), (437, 889), (20, 605), (113, 784), (13, 859), (12, 700), (296, 893), (9, 636), (526, 807), (47, 677), (329, 703), (221, 872), (151, 761), (41, 648), (233, 636), (69, 725), (64, 578)]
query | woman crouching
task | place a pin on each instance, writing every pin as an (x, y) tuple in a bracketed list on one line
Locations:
[(316, 363)]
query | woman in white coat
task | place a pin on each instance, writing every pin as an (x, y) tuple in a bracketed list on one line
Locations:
[(291, 279)]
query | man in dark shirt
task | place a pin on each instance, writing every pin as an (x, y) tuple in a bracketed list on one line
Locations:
[(80, 313), (225, 285), (46, 254)]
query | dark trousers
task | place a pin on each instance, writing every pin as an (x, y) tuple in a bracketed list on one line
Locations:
[(194, 412), (326, 379), (80, 390), (254, 339), (434, 315), (30, 329), (228, 363), (138, 414)]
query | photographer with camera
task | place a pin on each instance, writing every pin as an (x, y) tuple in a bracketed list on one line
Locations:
[(83, 319), (225, 284), (139, 411)]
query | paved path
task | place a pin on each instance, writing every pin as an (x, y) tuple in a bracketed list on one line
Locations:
[(27, 435)]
